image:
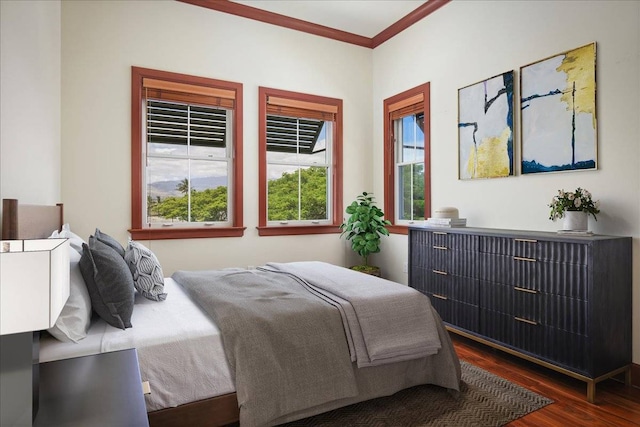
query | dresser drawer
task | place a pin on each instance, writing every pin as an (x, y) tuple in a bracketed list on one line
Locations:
[(495, 297), (565, 314), (547, 277), (555, 311), (459, 314), (448, 261), (452, 241), (553, 345), (495, 325), (457, 288), (540, 250)]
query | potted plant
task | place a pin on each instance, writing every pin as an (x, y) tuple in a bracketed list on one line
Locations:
[(574, 207), (364, 227)]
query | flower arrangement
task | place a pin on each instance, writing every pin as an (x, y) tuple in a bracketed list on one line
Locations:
[(579, 200)]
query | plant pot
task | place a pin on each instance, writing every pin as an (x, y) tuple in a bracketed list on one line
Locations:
[(367, 269), (576, 221)]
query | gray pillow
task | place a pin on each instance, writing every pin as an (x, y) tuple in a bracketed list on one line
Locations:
[(75, 318), (109, 283), (146, 271), (109, 241)]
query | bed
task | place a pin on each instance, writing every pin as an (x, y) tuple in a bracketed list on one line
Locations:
[(196, 380)]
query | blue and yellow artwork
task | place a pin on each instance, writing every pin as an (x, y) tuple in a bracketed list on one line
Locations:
[(485, 128), (558, 112)]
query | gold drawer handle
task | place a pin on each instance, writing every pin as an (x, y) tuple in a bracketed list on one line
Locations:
[(531, 291), (520, 319), (519, 258), (442, 297), (526, 240), (444, 273), (442, 248)]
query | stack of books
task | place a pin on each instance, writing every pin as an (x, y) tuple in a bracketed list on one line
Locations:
[(576, 232), (446, 222)]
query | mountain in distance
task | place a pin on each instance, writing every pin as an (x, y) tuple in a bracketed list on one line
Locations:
[(164, 189)]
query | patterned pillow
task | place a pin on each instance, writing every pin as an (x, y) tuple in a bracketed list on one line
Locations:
[(148, 278)]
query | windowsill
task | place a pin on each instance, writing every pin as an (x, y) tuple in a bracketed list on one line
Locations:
[(290, 230), (185, 233), (398, 229)]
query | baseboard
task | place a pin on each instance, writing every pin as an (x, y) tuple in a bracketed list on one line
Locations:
[(635, 375)]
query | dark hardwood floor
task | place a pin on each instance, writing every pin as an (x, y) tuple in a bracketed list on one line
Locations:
[(615, 403)]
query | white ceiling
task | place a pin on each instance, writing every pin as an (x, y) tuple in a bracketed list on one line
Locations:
[(362, 17)]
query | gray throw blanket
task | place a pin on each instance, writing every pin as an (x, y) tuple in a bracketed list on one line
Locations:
[(385, 322), (285, 346)]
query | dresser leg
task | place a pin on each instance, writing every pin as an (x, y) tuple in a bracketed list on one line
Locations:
[(627, 376), (591, 391)]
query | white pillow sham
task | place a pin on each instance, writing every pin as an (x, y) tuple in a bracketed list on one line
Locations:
[(74, 320), (74, 240)]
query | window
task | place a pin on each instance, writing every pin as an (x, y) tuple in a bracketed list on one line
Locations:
[(407, 183), (300, 163), (186, 146)]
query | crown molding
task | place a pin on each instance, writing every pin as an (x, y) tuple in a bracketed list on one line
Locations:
[(418, 14), (249, 12)]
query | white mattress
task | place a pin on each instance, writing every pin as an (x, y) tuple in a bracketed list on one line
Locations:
[(179, 349)]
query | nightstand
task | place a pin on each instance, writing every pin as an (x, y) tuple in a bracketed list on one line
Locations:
[(98, 390)]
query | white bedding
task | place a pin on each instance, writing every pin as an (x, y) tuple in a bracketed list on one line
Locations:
[(179, 349)]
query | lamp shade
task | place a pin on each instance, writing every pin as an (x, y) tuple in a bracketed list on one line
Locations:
[(34, 283)]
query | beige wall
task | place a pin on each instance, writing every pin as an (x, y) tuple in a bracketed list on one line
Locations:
[(466, 42), (462, 43), (103, 39), (30, 101), (29, 151)]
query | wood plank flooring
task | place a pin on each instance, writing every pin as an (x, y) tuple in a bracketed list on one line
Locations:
[(615, 403)]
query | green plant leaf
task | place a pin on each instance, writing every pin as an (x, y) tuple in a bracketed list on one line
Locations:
[(364, 226)]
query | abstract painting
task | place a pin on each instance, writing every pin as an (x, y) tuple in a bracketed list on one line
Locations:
[(485, 128), (558, 112)]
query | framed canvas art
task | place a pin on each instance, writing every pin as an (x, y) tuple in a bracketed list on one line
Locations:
[(558, 112), (485, 128)]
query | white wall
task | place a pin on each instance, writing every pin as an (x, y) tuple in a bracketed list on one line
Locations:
[(30, 101), (29, 153), (103, 39), (460, 44), (466, 42)]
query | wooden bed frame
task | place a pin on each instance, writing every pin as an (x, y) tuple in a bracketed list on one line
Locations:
[(38, 221)]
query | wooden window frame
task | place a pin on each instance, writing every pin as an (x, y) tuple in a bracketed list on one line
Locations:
[(211, 87), (297, 100), (392, 105)]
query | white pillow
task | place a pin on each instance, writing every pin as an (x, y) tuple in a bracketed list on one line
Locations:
[(148, 278), (74, 240), (75, 318)]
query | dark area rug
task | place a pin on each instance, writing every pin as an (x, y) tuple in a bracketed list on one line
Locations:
[(484, 400)]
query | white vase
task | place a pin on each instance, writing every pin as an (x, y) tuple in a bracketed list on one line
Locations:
[(576, 221)]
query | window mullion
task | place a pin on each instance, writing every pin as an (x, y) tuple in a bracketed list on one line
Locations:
[(299, 170), (189, 163), (411, 191)]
